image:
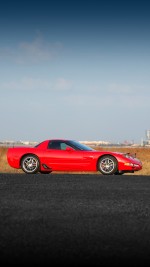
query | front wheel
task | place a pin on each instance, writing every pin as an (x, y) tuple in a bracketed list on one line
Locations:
[(119, 173), (30, 164), (45, 172), (107, 165)]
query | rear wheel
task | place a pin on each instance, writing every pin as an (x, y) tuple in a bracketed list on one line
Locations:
[(107, 165), (30, 164)]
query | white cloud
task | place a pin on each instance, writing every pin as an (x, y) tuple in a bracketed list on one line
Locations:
[(128, 90), (63, 84), (119, 88), (26, 84), (30, 84), (37, 51), (107, 102), (33, 52)]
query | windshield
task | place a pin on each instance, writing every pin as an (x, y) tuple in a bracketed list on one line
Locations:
[(78, 146)]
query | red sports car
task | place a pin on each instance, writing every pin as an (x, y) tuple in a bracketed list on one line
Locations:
[(69, 155)]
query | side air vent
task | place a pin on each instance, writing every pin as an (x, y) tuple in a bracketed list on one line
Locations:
[(45, 166)]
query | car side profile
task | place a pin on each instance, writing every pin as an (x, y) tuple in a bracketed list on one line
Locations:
[(69, 155)]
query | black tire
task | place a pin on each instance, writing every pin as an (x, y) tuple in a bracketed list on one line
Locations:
[(107, 165), (45, 172), (118, 173), (30, 164)]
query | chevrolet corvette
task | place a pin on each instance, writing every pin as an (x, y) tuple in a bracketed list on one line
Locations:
[(69, 155)]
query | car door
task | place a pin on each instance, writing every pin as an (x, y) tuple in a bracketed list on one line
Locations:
[(61, 157)]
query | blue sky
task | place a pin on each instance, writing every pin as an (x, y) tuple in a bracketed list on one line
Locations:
[(74, 69)]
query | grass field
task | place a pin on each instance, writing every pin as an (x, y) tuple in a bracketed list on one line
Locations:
[(143, 153)]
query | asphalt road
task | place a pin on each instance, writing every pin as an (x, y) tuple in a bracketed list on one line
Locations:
[(74, 219)]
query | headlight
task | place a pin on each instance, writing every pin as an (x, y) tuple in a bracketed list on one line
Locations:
[(129, 156), (131, 164)]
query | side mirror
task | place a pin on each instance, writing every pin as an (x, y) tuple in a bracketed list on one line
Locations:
[(68, 148)]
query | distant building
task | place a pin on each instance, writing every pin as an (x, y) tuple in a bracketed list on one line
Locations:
[(96, 143), (147, 141)]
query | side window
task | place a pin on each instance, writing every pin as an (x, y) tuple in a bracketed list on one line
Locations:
[(54, 145), (63, 146)]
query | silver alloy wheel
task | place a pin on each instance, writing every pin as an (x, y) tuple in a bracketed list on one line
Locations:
[(107, 165), (30, 164)]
